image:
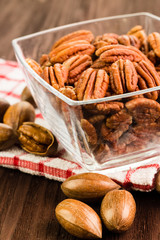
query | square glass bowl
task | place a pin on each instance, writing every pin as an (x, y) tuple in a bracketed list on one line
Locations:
[(64, 115)]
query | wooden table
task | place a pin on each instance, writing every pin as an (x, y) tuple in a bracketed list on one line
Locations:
[(27, 202)]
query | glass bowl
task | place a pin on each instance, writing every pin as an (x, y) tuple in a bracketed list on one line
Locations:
[(64, 115)]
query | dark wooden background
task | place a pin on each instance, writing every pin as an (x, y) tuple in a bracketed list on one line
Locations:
[(27, 202)]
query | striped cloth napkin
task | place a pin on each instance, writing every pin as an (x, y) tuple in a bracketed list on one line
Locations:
[(60, 167)]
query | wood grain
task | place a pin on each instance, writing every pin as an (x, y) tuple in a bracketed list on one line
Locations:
[(27, 202)]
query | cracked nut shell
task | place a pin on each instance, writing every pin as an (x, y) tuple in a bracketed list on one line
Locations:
[(37, 140)]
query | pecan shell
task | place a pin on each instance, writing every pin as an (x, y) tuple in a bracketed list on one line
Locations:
[(55, 76), (148, 78), (66, 50), (90, 131), (34, 65), (37, 139), (123, 76), (143, 110), (154, 42), (76, 65), (74, 36), (92, 84)]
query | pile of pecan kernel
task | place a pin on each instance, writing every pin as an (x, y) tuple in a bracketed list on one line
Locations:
[(84, 67)]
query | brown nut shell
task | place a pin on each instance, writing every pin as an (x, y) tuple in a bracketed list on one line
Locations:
[(27, 96), (79, 219), (18, 113), (88, 186), (7, 137), (118, 210), (37, 140), (4, 105), (158, 182)]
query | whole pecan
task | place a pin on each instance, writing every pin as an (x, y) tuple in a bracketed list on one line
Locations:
[(90, 131), (105, 39), (66, 50), (34, 65), (123, 76), (143, 110), (92, 84), (154, 42), (74, 36), (76, 65), (112, 53), (55, 76), (118, 120), (148, 78), (129, 40)]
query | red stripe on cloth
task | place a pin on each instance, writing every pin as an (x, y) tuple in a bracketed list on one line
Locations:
[(10, 93), (15, 161), (39, 115), (11, 79), (9, 63)]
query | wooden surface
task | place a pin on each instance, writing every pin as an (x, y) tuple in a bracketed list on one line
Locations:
[(27, 202)]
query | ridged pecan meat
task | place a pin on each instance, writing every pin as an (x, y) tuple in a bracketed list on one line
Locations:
[(112, 53), (143, 110), (129, 40), (154, 42), (96, 118), (34, 65), (102, 150), (69, 92), (148, 78), (55, 76), (66, 50), (119, 119), (44, 61), (74, 36), (92, 84), (99, 64), (76, 65), (109, 107), (105, 39), (90, 131), (139, 32), (123, 76), (112, 135)]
